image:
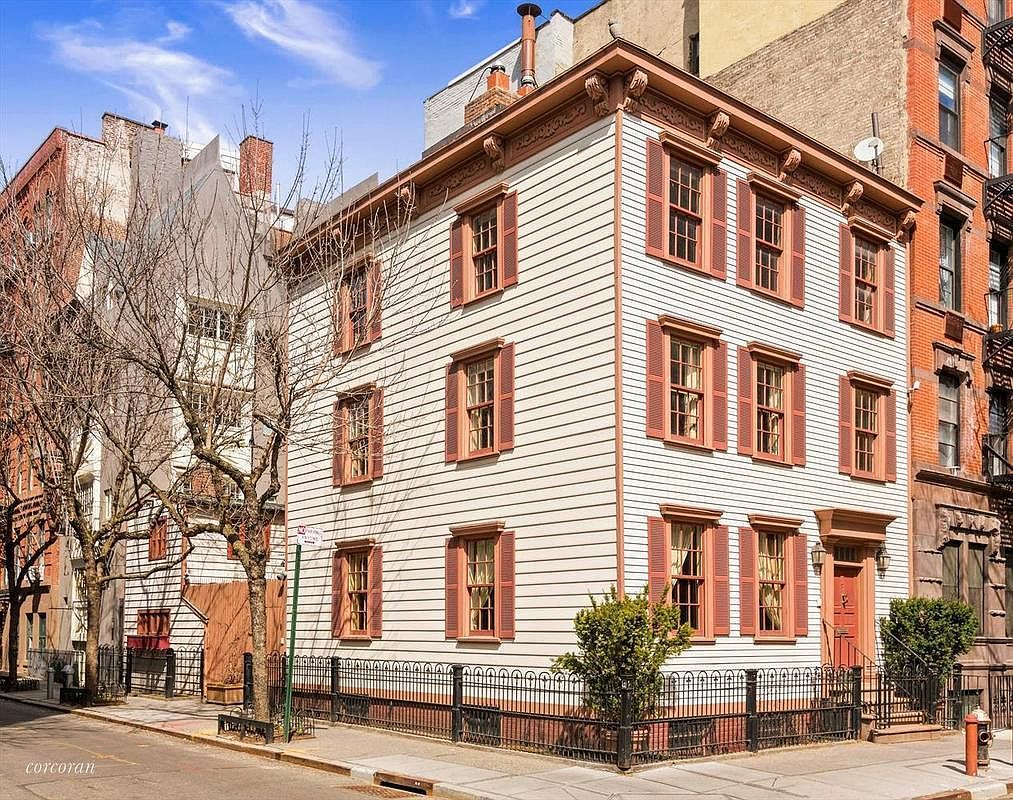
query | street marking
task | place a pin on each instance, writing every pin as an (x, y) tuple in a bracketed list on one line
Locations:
[(102, 756)]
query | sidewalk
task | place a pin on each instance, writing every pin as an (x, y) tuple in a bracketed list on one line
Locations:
[(848, 771)]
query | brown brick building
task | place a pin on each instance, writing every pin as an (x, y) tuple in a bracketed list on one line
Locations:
[(938, 74)]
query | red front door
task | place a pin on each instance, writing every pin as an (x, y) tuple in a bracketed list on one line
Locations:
[(846, 616)]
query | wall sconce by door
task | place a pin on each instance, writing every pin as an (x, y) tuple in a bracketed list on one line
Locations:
[(882, 559), (818, 555)]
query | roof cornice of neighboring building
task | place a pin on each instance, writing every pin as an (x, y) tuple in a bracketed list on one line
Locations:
[(55, 141), (624, 76)]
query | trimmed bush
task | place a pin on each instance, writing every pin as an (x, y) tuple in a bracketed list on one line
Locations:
[(619, 637), (935, 632)]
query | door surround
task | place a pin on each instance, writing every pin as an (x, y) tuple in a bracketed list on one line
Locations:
[(862, 533)]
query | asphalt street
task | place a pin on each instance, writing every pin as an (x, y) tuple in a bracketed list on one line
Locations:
[(66, 757)]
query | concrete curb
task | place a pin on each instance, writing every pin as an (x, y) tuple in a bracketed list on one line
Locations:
[(356, 771), (984, 791)]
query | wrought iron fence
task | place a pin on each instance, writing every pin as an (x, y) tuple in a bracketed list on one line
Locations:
[(991, 690), (172, 672), (687, 714), (40, 660)]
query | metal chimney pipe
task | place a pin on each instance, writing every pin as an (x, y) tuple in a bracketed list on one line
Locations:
[(528, 12)]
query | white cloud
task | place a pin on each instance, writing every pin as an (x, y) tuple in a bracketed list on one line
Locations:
[(160, 82), (174, 32), (464, 9), (308, 33)]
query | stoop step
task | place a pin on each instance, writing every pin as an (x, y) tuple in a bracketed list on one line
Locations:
[(906, 733)]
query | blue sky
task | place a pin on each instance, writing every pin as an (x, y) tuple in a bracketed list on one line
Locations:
[(357, 71)]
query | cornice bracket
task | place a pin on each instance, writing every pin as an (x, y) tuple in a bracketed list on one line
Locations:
[(633, 90), (494, 148), (717, 126), (852, 195), (597, 90), (790, 161)]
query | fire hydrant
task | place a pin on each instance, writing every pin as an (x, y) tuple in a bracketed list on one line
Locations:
[(977, 740)]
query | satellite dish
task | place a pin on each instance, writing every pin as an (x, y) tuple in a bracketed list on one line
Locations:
[(869, 149)]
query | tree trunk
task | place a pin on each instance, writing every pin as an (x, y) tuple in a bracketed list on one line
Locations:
[(13, 633), (258, 632), (93, 599)]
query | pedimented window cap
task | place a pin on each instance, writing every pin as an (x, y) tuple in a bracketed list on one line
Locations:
[(772, 353), (764, 184), (482, 348), (706, 516), (853, 523), (362, 543), (476, 201), (866, 380), (768, 522), (697, 329), (860, 226), (487, 528), (687, 148)]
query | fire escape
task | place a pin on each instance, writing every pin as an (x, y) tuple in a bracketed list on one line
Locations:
[(997, 356)]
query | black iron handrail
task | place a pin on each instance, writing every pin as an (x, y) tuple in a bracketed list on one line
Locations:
[(902, 643)]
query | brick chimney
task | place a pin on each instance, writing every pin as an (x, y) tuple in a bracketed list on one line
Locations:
[(496, 97), (159, 126), (256, 157)]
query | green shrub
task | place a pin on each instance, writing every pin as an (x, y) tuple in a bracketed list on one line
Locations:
[(619, 637), (935, 632)]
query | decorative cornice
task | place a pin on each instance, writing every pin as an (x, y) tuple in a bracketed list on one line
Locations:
[(672, 113), (550, 128), (636, 83), (493, 146), (471, 173), (597, 89)]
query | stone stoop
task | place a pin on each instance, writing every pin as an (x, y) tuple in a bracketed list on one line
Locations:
[(915, 732)]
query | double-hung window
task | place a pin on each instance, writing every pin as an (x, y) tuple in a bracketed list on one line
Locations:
[(206, 320), (771, 404), (997, 136), (949, 420), (687, 380), (965, 577), (357, 590), (867, 443), (157, 539), (480, 401), (996, 11), (483, 245), (770, 256), (358, 436), (687, 565), (480, 593), (867, 277), (687, 211), (358, 300), (773, 578), (998, 286), (949, 102), (949, 263)]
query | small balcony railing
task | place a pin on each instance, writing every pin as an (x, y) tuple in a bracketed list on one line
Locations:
[(997, 203), (997, 355), (997, 50)]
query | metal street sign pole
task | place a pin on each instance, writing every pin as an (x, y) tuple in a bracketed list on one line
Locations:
[(291, 645)]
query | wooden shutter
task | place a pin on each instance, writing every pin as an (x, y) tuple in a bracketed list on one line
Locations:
[(745, 406), (845, 425), (747, 582), (655, 401), (658, 567), (376, 433), (452, 622), (744, 228), (719, 580), (800, 581), (338, 580), (655, 224), (889, 292), (375, 279), (452, 434), (506, 602), (719, 224), (719, 396), (337, 460), (845, 281), (798, 256), (509, 259), (891, 436), (457, 263), (505, 375), (798, 416), (375, 608), (267, 539)]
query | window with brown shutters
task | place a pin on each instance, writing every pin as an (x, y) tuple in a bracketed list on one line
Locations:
[(153, 622), (357, 590), (867, 427), (687, 197), (230, 550), (688, 567), (770, 239), (771, 404), (480, 401), (773, 578), (866, 277), (483, 246), (158, 539), (358, 320), (358, 436), (687, 383), (480, 593)]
